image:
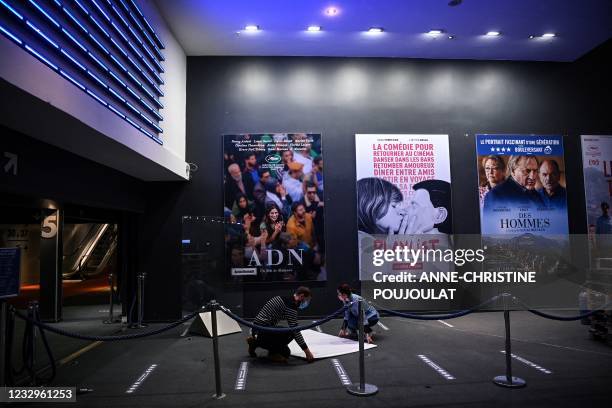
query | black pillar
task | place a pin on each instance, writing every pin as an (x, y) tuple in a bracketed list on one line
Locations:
[(51, 253)]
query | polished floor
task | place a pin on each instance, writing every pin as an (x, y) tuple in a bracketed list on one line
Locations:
[(417, 364)]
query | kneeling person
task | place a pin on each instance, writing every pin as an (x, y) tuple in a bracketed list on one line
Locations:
[(351, 315), (276, 309)]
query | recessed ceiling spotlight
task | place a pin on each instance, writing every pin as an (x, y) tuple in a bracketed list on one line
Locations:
[(531, 37), (332, 11), (549, 35), (314, 28), (493, 34), (375, 30), (451, 37), (251, 28), (435, 32)]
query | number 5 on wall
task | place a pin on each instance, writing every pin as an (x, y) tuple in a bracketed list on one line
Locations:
[(49, 226)]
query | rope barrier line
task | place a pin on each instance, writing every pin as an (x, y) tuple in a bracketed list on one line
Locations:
[(562, 318), (79, 336), (283, 329), (447, 316)]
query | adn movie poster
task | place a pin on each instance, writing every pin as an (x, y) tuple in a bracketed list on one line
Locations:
[(274, 208), (403, 196), (523, 202), (597, 163)]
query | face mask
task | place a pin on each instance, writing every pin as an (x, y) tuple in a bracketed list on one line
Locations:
[(303, 305)]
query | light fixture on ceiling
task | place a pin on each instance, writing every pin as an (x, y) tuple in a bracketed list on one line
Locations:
[(251, 28), (549, 35), (451, 37), (493, 34), (531, 37), (314, 28), (435, 32), (332, 11), (375, 30)]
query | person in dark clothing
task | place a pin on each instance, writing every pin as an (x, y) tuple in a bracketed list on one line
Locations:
[(236, 182), (519, 189), (276, 309)]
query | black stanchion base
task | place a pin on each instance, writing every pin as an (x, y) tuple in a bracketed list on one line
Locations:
[(502, 381), (215, 396), (112, 321), (366, 391), (138, 326)]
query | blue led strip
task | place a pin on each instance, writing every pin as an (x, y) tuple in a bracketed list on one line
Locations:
[(11, 9), (115, 60), (126, 8), (75, 82), (157, 39), (127, 25), (118, 47), (96, 60)]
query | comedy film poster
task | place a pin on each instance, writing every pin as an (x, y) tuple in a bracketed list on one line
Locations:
[(274, 207), (403, 197), (523, 203), (597, 163)]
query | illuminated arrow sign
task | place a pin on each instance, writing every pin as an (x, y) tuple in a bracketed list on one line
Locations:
[(11, 163)]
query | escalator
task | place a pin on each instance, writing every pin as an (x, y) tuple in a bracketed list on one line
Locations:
[(88, 249)]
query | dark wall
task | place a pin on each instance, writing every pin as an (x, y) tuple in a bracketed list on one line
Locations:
[(341, 97)]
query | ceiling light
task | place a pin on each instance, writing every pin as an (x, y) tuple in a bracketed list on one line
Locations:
[(493, 33), (531, 37), (451, 37), (549, 35), (435, 32), (332, 11), (314, 28), (375, 30), (251, 28)]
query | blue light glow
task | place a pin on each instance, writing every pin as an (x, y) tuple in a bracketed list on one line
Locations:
[(121, 50), (119, 15), (74, 40), (100, 63), (98, 80), (118, 63), (116, 94), (71, 79), (131, 122), (37, 30), (137, 9), (134, 78), (134, 48), (71, 58), (97, 97), (82, 7), (132, 107), (111, 107), (98, 43), (185, 241), (45, 13), (117, 79), (10, 35), (119, 31), (159, 42), (101, 10), (11, 9), (134, 94), (75, 20), (40, 57), (92, 18)]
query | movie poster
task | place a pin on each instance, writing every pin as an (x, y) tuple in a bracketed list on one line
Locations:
[(523, 203), (597, 163), (403, 197), (274, 207)]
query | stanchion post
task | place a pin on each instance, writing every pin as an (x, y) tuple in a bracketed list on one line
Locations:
[(111, 306), (140, 300), (508, 380), (3, 341), (33, 314), (214, 306), (362, 388)]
